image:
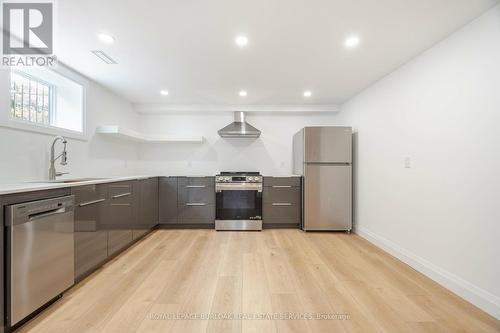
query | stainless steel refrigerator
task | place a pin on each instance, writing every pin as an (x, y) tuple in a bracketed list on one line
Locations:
[(323, 156)]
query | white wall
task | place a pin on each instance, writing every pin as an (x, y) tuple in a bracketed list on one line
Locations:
[(25, 155), (270, 154), (443, 111)]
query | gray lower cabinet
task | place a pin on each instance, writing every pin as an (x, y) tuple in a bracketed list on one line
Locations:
[(122, 214), (118, 240), (282, 181), (196, 213), (282, 201), (91, 239), (109, 217), (196, 200), (187, 200)]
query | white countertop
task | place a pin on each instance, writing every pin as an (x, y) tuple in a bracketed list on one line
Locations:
[(47, 185)]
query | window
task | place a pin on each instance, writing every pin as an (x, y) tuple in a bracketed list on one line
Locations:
[(46, 101), (30, 99)]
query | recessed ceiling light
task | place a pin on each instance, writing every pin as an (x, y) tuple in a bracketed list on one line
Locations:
[(164, 92), (241, 40), (243, 93), (307, 93), (105, 38), (351, 42)]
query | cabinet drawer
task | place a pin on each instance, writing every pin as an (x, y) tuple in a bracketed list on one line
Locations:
[(89, 194), (120, 189), (288, 211), (196, 194), (120, 202), (120, 214), (89, 215), (282, 195), (282, 181), (196, 181), (195, 211)]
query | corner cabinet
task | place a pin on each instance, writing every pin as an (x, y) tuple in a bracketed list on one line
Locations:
[(148, 207), (282, 202), (167, 200)]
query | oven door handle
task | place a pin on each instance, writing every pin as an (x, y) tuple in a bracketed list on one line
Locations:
[(245, 187), (218, 190)]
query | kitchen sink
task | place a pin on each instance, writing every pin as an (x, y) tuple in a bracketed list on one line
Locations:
[(63, 181)]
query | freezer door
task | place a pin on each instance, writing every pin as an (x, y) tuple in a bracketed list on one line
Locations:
[(327, 197), (328, 144)]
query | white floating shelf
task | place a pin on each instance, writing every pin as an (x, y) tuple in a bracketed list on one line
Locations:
[(131, 135)]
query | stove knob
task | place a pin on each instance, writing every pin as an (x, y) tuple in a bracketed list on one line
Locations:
[(250, 179), (226, 179)]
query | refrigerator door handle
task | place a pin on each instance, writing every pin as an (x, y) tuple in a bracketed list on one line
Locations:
[(329, 163)]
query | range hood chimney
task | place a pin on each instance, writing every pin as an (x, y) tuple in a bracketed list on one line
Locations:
[(239, 128)]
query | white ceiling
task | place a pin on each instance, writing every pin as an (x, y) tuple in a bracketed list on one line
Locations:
[(187, 46)]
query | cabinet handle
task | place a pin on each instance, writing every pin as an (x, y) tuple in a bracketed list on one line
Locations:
[(282, 186), (120, 204), (195, 186), (121, 195), (196, 204), (281, 204), (91, 202)]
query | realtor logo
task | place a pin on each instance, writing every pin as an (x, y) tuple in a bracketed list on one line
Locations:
[(27, 28), (28, 34)]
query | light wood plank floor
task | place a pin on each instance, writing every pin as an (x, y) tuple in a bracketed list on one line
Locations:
[(275, 272)]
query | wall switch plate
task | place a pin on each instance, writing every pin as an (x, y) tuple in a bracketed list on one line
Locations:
[(407, 162)]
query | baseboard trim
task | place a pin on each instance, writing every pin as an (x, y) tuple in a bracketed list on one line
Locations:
[(466, 290)]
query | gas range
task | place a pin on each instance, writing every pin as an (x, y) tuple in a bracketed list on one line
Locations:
[(238, 199)]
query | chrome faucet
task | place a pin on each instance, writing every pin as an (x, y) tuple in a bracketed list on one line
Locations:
[(64, 159)]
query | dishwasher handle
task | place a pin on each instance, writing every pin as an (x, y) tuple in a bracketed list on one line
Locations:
[(47, 213)]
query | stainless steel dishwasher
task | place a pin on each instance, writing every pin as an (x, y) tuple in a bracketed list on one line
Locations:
[(41, 237)]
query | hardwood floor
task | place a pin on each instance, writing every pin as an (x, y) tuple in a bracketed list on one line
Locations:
[(274, 272)]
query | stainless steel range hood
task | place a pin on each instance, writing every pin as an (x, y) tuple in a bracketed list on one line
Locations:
[(239, 128)]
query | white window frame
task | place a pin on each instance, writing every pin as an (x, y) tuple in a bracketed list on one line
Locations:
[(52, 98), (7, 120)]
